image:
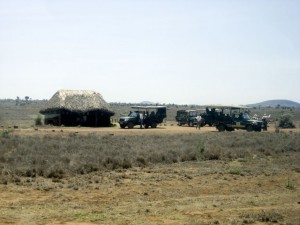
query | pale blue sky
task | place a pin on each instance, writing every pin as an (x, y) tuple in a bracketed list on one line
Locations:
[(166, 51)]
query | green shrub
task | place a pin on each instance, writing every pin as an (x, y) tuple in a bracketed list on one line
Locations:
[(235, 171), (38, 120), (285, 121), (290, 185), (5, 133)]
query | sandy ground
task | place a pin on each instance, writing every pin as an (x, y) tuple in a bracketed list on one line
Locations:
[(174, 194), (182, 193), (162, 128)]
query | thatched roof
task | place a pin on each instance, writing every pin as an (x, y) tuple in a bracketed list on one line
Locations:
[(77, 101)]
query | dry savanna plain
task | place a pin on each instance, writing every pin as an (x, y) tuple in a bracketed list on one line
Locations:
[(168, 175)]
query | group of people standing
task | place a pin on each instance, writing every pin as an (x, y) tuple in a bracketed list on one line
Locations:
[(144, 118)]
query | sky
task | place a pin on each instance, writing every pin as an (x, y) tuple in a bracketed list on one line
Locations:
[(163, 51)]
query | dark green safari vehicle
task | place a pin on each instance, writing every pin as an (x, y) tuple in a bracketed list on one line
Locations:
[(152, 115), (231, 117), (186, 117)]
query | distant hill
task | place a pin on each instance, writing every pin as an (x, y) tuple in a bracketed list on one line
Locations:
[(274, 103)]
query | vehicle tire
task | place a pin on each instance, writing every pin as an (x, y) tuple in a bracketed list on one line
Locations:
[(122, 126), (153, 125), (191, 124), (221, 127), (249, 128), (230, 129), (130, 125)]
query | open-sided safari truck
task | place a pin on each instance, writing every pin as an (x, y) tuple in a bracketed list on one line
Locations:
[(153, 115), (187, 117), (230, 118)]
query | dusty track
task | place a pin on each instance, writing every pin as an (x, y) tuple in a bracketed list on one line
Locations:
[(164, 128)]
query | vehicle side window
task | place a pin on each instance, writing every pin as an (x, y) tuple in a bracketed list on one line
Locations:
[(193, 113), (152, 113)]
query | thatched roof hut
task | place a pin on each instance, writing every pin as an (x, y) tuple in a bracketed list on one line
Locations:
[(77, 107)]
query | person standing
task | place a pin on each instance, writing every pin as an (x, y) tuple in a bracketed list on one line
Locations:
[(198, 118), (265, 122), (141, 119)]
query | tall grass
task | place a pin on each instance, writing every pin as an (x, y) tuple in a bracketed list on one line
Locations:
[(58, 156)]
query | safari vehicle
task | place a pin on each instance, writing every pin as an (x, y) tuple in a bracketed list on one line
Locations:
[(187, 117), (231, 117), (153, 115)]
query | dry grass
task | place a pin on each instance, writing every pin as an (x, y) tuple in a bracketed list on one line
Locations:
[(57, 156), (186, 178)]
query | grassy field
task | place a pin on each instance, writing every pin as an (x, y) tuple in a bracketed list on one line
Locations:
[(168, 175), (63, 155)]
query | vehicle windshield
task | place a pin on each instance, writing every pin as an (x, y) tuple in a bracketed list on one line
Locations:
[(179, 113), (193, 113), (239, 116), (246, 116), (133, 114)]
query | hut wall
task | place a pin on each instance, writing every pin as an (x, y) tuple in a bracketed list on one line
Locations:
[(52, 117), (68, 118), (97, 119)]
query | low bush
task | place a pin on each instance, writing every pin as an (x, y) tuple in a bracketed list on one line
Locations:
[(5, 133), (38, 120), (265, 217), (285, 121)]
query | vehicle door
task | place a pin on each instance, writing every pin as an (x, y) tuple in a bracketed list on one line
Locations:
[(192, 116), (137, 119), (237, 120)]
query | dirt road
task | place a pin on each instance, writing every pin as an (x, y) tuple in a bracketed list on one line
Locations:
[(163, 128)]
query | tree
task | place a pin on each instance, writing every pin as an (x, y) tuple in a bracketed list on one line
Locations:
[(18, 100), (26, 99)]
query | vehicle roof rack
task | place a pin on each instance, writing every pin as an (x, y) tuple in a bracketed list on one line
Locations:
[(228, 106), (148, 107)]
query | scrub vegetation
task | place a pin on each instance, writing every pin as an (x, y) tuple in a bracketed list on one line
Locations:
[(65, 155)]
